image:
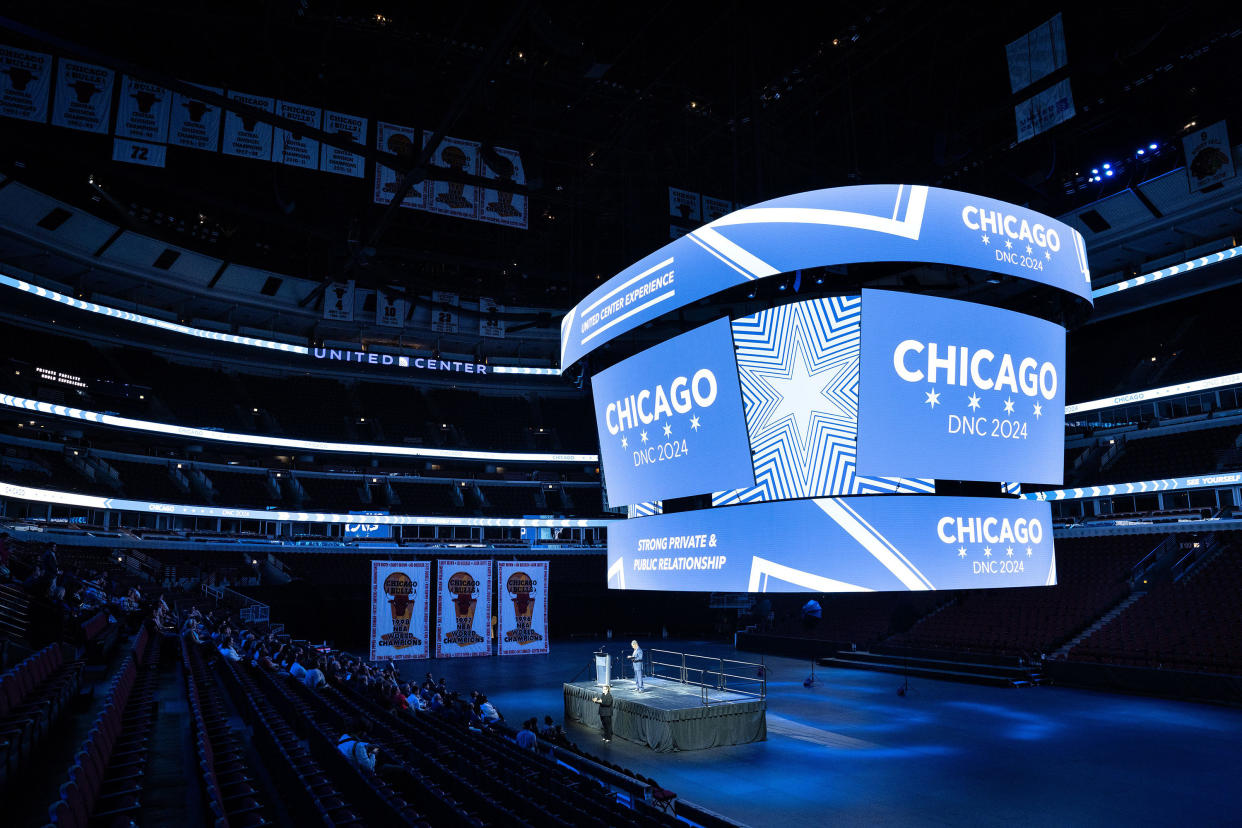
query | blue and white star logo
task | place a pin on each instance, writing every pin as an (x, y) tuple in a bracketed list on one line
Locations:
[(1029, 250), (961, 551), (694, 422), (1009, 551), (1028, 551), (932, 398), (643, 436), (801, 395), (1009, 406), (668, 429), (986, 240), (1039, 411), (625, 443), (1008, 244), (973, 402), (987, 551)]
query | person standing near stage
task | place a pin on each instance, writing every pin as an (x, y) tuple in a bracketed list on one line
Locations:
[(604, 700), (637, 658)]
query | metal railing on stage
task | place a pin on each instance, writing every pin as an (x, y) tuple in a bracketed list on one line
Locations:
[(711, 673)]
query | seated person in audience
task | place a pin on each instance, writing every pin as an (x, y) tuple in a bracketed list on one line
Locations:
[(398, 699), (227, 649), (359, 753), (437, 704), (314, 678), (548, 729), (488, 712), (525, 737), (295, 666)]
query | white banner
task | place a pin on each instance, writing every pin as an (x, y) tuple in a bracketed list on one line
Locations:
[(338, 301), (193, 123), (449, 197), (139, 152), (1209, 158), (490, 323), (25, 81), (399, 609), (390, 309), (142, 111), (714, 208), (290, 147), (83, 96), (498, 207), (1044, 110), (523, 607), (684, 204), (400, 141), (464, 619), (444, 311), (339, 161), (243, 135)]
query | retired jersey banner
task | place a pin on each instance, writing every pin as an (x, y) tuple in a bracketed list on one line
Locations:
[(25, 81), (464, 595), (490, 322), (497, 206), (83, 96), (400, 141), (338, 301), (290, 147), (142, 111), (245, 136), (390, 309), (339, 161), (399, 609), (523, 610), (193, 123), (453, 198), (138, 152), (445, 313)]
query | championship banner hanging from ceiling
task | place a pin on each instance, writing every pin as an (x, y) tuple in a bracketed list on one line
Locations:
[(83, 96), (293, 148), (497, 206), (464, 596), (339, 161), (400, 141), (523, 607), (25, 81), (399, 609), (193, 123), (452, 198), (245, 136), (142, 111)]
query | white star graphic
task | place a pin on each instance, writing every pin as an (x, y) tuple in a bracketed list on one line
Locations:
[(1008, 244), (668, 429), (1039, 411), (643, 435), (1009, 406), (1047, 255), (694, 423), (986, 240), (932, 398), (1009, 551), (987, 551), (1029, 249), (961, 551), (973, 402), (625, 443), (801, 395), (1028, 551)]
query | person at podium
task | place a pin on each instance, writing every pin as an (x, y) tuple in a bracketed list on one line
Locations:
[(637, 658)]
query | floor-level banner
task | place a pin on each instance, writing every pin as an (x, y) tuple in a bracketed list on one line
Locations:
[(855, 544)]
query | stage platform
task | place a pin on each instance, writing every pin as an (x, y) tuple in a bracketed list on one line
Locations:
[(670, 716)]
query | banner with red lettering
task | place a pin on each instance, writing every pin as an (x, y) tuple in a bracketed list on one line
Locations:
[(399, 609), (497, 206), (464, 619), (399, 141), (522, 607), (453, 198)]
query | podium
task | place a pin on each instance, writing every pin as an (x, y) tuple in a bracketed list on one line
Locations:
[(603, 668)]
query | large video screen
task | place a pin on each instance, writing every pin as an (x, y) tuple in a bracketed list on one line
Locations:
[(857, 544), (959, 391), (670, 419)]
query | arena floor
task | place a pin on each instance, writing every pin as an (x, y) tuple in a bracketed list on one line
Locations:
[(851, 751)]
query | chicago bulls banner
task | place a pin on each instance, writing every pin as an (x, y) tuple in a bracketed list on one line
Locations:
[(83, 96), (523, 607), (399, 609), (464, 596)]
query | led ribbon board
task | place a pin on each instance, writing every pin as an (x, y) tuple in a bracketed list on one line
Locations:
[(861, 544), (845, 225), (121, 505), (670, 419)]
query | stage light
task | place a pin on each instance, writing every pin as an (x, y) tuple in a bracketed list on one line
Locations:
[(1095, 171), (1142, 151), (1151, 146), (1108, 166), (1108, 172)]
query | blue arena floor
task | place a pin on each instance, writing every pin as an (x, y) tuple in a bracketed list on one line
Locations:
[(852, 752)]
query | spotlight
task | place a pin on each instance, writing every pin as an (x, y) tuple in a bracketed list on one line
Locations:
[(1108, 166), (1142, 151), (1108, 172), (1095, 171), (1151, 146)]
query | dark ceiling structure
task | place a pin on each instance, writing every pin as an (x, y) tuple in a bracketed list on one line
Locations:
[(610, 105)]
